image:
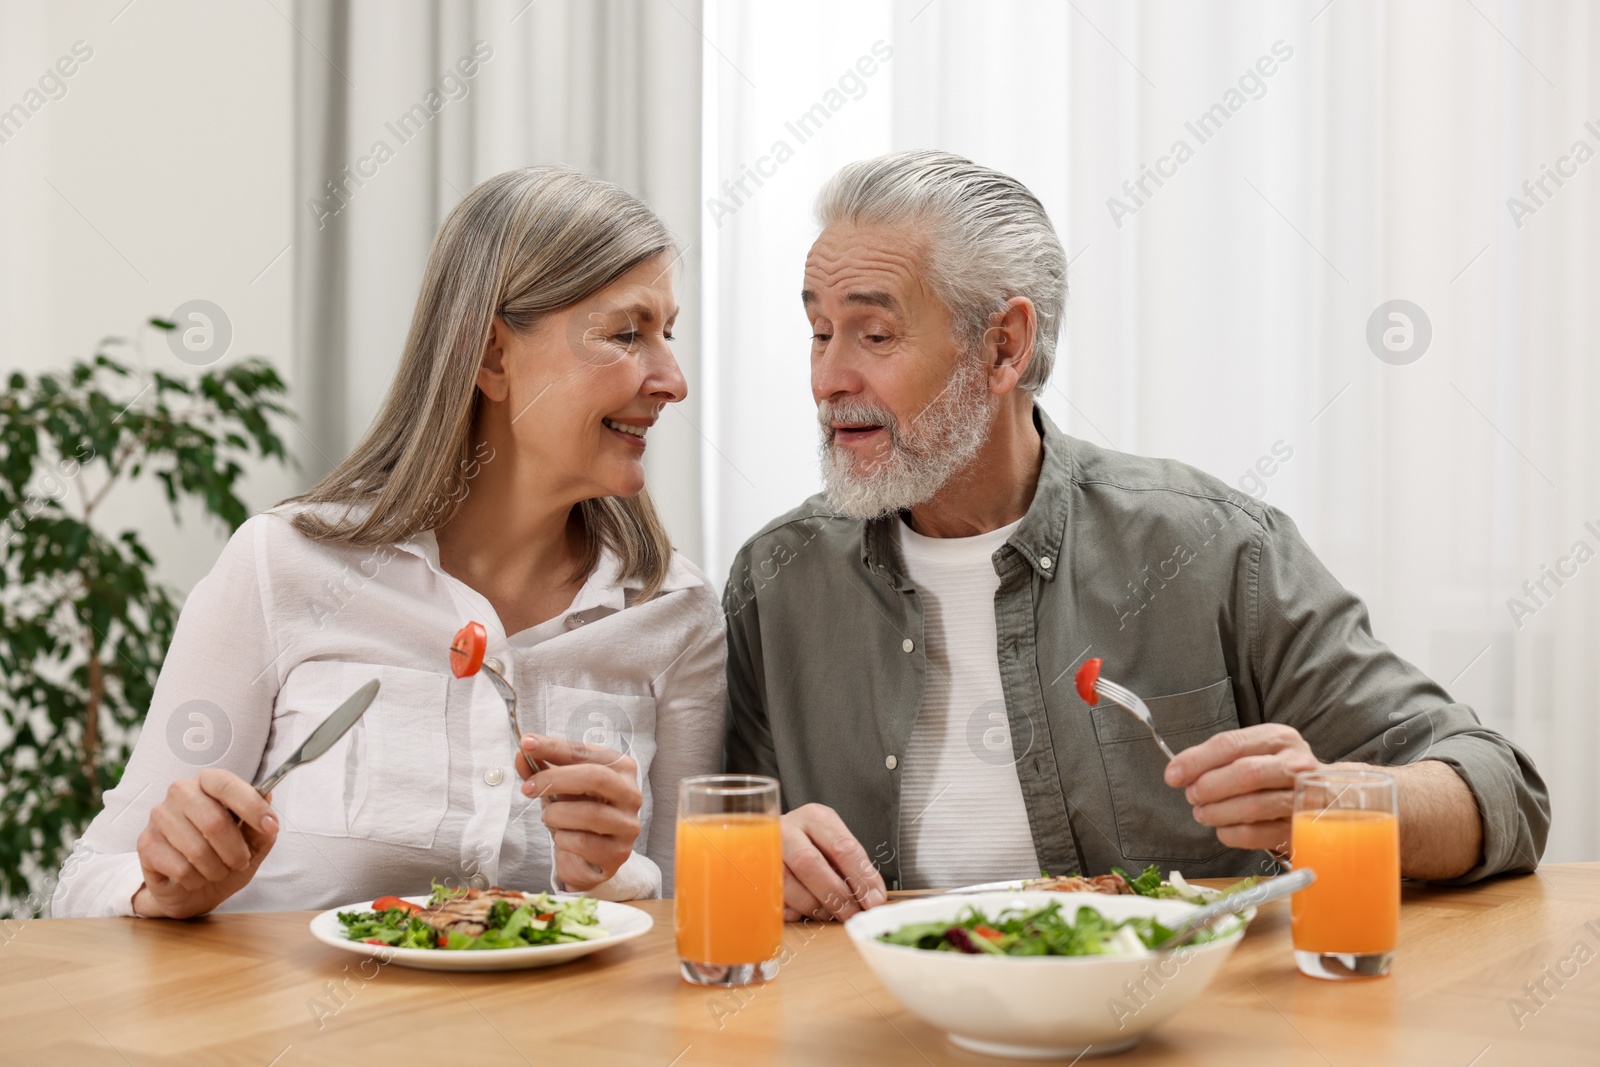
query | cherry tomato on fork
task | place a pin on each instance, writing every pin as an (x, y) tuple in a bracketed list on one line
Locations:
[(466, 651), (1088, 676)]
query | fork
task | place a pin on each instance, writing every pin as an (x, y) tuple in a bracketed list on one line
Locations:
[(466, 659), (1091, 687)]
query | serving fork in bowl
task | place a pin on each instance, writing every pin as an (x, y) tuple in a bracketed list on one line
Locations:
[(1091, 687)]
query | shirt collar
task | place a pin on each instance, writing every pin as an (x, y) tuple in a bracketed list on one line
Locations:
[(603, 592), (1037, 539), (1044, 527), (605, 587)]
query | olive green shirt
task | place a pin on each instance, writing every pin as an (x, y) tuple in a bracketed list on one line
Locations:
[(1206, 603)]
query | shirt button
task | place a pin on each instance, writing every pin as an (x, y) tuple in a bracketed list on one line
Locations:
[(890, 762), (1044, 562), (574, 621), (478, 881), (494, 665), (494, 776), (907, 646)]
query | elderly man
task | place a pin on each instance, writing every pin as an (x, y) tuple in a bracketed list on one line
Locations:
[(902, 647)]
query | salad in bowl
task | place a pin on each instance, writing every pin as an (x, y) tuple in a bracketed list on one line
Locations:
[(1042, 972)]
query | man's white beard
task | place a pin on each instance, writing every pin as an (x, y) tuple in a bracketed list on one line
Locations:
[(923, 455)]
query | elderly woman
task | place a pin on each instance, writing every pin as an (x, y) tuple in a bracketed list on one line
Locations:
[(502, 482)]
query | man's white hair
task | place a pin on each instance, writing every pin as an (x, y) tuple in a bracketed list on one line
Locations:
[(989, 239)]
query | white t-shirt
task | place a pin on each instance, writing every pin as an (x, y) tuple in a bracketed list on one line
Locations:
[(962, 818), (423, 787)]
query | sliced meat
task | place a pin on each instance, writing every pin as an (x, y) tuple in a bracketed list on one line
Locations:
[(1110, 884), (1114, 884), (469, 912)]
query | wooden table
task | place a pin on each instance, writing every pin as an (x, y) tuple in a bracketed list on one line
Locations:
[(244, 989)]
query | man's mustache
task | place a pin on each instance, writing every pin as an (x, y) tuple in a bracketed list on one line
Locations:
[(852, 413)]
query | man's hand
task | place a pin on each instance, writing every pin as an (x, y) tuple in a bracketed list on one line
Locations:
[(203, 844), (1242, 782), (826, 872), (591, 805)]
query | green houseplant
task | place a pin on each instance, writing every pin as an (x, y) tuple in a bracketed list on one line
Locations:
[(83, 626)]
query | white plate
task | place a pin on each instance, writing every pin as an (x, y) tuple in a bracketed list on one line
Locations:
[(989, 887), (621, 922), (1015, 885)]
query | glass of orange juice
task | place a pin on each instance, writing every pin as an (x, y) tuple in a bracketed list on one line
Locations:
[(1347, 829), (729, 907)]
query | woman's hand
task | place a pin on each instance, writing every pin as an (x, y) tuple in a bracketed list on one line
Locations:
[(194, 852), (591, 805)]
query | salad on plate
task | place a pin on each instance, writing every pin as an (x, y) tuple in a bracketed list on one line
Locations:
[(470, 919)]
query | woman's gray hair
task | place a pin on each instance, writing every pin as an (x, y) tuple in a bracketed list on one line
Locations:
[(989, 238), (521, 245)]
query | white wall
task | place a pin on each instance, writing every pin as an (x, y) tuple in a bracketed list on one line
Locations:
[(162, 175)]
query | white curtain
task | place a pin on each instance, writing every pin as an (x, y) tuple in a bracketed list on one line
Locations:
[(1340, 155), (404, 106)]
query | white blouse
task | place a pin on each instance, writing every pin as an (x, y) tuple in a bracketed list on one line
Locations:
[(423, 787)]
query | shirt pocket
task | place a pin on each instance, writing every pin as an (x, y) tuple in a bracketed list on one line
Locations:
[(1154, 822), (385, 780), (623, 722)]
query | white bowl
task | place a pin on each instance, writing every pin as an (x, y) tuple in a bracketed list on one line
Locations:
[(1038, 1007)]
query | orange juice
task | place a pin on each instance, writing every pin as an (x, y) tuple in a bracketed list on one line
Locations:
[(1354, 905), (729, 906)]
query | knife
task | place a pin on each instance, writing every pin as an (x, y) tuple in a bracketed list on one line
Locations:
[(323, 737)]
